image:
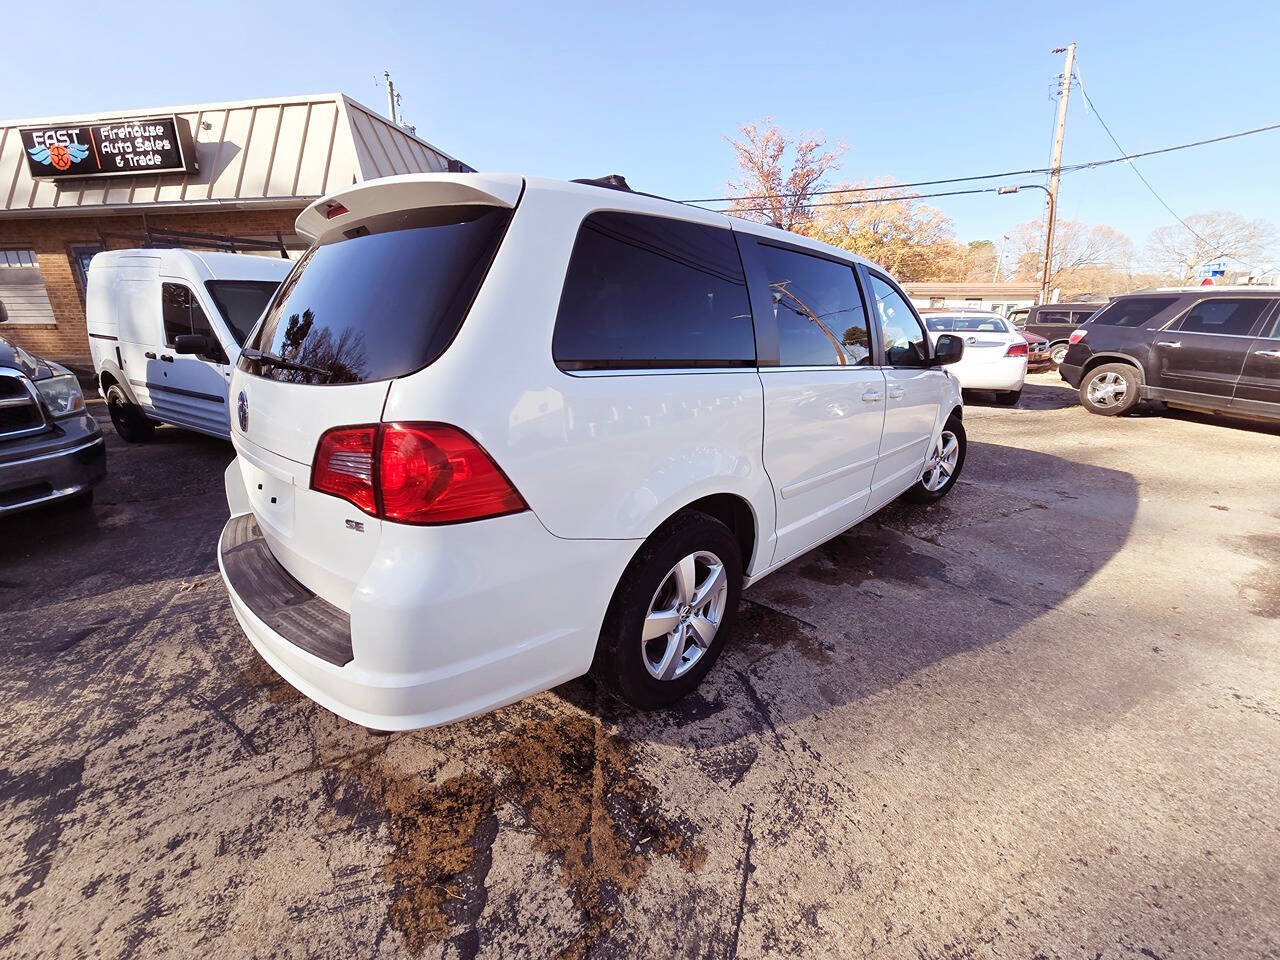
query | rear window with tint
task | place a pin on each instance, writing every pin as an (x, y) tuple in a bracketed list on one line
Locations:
[(649, 292), (383, 300), (1131, 311)]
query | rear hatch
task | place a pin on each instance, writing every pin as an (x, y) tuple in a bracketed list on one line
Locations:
[(382, 292)]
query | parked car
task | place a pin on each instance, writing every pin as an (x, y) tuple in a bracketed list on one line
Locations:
[(165, 327), (51, 450), (995, 354), (1055, 322), (530, 426), (1038, 357), (1206, 348)]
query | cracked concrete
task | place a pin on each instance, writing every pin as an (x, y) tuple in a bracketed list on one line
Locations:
[(1040, 718)]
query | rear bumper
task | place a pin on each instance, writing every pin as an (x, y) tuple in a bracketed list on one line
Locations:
[(447, 622), (1005, 373), (1072, 373), (45, 468)]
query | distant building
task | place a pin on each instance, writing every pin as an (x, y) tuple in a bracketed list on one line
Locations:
[(172, 176), (999, 297)]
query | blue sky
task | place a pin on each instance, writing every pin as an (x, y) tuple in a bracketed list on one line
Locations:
[(917, 90)]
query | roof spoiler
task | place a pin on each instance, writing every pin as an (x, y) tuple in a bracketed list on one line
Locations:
[(334, 214)]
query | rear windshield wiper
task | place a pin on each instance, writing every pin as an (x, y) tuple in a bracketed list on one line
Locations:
[(271, 360)]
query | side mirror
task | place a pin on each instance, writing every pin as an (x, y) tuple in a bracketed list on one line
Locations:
[(948, 349), (4, 313), (196, 343)]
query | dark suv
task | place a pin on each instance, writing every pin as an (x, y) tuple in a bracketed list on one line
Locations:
[(1208, 348), (1055, 322)]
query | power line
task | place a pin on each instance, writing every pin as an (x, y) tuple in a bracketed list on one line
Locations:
[(1072, 168), (1209, 245), (910, 196)]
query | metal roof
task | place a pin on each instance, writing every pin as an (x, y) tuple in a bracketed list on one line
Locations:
[(277, 152)]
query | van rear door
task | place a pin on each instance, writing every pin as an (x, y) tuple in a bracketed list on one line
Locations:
[(380, 294)]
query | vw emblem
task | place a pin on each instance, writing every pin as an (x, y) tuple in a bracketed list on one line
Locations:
[(242, 412)]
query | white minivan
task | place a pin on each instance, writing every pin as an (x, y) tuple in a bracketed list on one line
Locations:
[(493, 431), (165, 329)]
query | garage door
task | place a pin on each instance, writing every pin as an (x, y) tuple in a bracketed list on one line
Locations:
[(22, 288)]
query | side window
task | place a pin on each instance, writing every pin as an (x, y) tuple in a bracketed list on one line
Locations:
[(905, 342), (1054, 316), (820, 317), (1229, 317), (647, 291), (183, 314), (1132, 311)]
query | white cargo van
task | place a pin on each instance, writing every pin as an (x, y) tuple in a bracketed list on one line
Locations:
[(165, 329)]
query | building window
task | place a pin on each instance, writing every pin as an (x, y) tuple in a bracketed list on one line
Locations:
[(80, 255), (22, 288)]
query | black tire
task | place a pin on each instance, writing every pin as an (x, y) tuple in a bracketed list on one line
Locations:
[(1117, 389), (1058, 352), (621, 654), (128, 419), (921, 493), (1009, 398)]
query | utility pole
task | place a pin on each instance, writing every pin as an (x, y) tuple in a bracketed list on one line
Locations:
[(995, 277), (1055, 166)]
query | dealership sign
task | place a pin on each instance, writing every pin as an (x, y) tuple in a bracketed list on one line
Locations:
[(114, 148)]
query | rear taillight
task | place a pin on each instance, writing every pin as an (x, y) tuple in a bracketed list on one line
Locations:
[(421, 473), (1017, 349), (344, 465), (1077, 336)]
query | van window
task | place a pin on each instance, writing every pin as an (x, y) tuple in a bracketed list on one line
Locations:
[(646, 292), (905, 342), (241, 302), (1227, 317), (1131, 311), (819, 312), (182, 313), (1053, 316), (383, 299)]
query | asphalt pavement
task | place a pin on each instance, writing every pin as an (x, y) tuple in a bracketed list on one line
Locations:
[(1039, 719)]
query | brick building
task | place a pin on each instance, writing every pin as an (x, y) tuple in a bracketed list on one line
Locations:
[(234, 175)]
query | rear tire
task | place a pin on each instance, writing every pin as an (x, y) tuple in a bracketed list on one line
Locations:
[(127, 417), (933, 486), (1009, 398), (1111, 389), (687, 576)]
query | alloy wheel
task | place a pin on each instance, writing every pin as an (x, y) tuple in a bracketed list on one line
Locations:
[(941, 464), (1108, 390), (684, 615)]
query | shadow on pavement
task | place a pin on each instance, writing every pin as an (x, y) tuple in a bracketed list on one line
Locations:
[(904, 590)]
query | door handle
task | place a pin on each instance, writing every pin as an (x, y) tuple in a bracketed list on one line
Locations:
[(1273, 354), (897, 393), (872, 396), (166, 358), (149, 355), (1169, 343)]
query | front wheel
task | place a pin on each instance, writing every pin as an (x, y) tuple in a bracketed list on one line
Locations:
[(127, 417), (1110, 390), (1058, 352), (943, 465), (672, 612)]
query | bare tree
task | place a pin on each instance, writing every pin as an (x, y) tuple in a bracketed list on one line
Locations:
[(1083, 254), (780, 174), (1213, 236)]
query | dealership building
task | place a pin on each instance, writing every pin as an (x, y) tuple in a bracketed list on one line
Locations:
[(229, 176)]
